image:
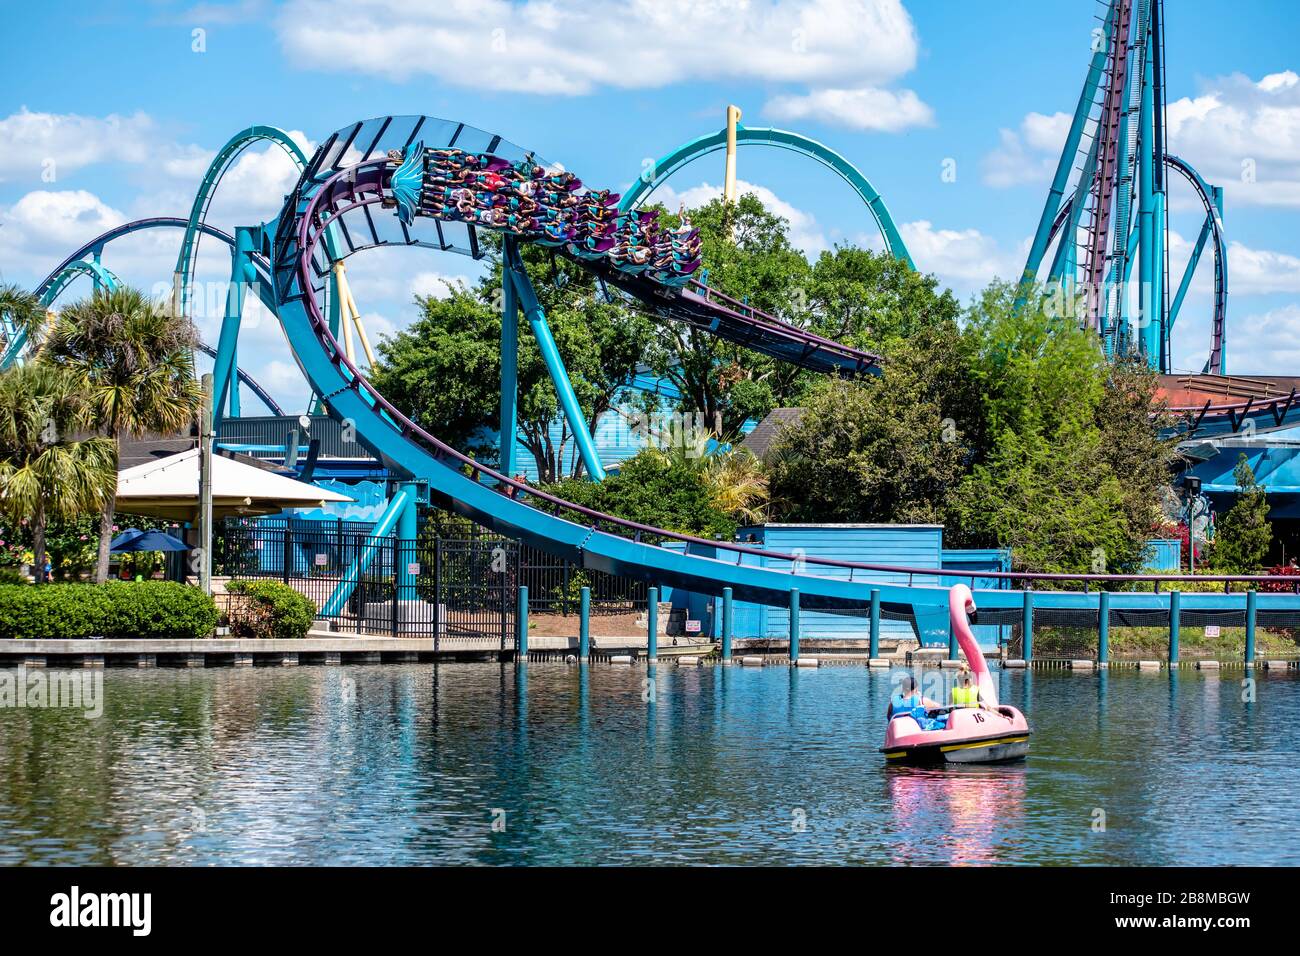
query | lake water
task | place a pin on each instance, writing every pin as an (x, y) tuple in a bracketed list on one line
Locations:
[(553, 764)]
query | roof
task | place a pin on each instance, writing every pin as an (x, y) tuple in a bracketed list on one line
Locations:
[(169, 487), (764, 436)]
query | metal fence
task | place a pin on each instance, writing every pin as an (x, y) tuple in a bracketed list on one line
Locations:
[(461, 586), (463, 593)]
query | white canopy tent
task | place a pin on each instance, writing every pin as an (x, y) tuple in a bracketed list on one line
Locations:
[(169, 488)]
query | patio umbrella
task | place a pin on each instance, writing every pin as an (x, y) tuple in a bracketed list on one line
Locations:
[(154, 541), (126, 537)]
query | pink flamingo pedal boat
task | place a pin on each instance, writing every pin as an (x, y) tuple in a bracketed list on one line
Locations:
[(989, 733)]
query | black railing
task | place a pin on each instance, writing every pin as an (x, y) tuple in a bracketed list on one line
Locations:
[(463, 586)]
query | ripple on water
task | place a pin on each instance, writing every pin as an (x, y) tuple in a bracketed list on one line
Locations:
[(411, 764)]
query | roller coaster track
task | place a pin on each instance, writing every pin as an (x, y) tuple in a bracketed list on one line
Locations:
[(78, 264), (334, 194), (338, 208)]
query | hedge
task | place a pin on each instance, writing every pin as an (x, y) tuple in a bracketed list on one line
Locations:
[(272, 610), (118, 609)]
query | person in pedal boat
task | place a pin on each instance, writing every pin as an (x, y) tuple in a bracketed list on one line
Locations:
[(964, 693), (907, 702)]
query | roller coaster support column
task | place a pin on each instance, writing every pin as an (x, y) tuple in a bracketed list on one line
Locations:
[(873, 651), (1250, 628), (509, 374), (521, 621), (1175, 624), (1103, 629), (404, 552), (584, 625), (1147, 263), (794, 625), (241, 279), (1096, 70), (727, 611), (402, 498), (518, 276), (652, 622), (1027, 627)]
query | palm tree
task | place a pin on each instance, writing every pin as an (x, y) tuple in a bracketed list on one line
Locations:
[(135, 362), (738, 484), (21, 312), (45, 470)]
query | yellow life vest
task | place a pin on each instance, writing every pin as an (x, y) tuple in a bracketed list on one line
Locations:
[(966, 696)]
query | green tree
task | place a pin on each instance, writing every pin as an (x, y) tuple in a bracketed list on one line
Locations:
[(46, 470), (22, 311), (1244, 534), (873, 300), (654, 488), (446, 367), (1069, 467), (135, 364), (883, 449), (748, 255)]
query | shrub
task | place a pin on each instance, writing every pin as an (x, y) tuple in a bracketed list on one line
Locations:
[(118, 609), (271, 609)]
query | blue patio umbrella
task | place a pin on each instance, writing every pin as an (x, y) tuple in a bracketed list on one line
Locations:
[(122, 540), (154, 541)]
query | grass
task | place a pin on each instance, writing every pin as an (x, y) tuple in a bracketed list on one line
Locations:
[(1153, 642)]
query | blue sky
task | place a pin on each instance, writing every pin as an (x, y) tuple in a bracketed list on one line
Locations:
[(109, 112)]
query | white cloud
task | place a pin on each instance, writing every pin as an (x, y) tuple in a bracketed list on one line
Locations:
[(436, 284), (869, 108), (1272, 344), (38, 146), (965, 260), (574, 47), (805, 232), (1029, 155), (1261, 270), (843, 50), (1243, 135)]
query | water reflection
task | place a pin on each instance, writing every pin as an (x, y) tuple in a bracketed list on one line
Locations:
[(409, 764), (957, 815)]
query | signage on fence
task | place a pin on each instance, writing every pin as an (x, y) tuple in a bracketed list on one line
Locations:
[(1211, 630), (692, 627), (413, 568), (322, 560)]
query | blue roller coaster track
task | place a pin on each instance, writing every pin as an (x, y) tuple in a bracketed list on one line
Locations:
[(346, 201)]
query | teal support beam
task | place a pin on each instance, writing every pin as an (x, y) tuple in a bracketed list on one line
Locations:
[(1206, 229), (509, 375), (953, 650), (1175, 613), (648, 180), (407, 531), (514, 265), (1147, 263), (652, 620), (727, 612), (338, 599), (1250, 628), (521, 626), (1158, 283), (1064, 166), (874, 649), (584, 625), (241, 280), (794, 624), (1027, 626), (1103, 628), (232, 403)]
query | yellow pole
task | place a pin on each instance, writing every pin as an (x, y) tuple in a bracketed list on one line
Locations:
[(341, 287), (361, 328), (729, 182)]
